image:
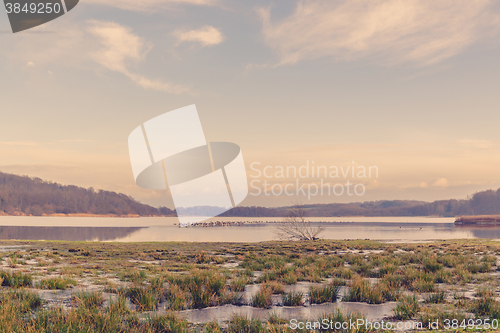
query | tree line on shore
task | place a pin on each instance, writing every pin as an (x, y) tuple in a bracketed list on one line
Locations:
[(23, 195), (481, 203)]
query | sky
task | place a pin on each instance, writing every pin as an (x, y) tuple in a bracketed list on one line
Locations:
[(407, 87)]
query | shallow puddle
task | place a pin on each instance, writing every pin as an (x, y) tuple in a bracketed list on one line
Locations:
[(313, 312)]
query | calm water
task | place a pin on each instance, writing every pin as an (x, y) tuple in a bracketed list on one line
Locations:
[(161, 229)]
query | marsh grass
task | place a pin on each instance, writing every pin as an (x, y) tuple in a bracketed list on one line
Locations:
[(168, 323), (289, 279), (275, 287), (230, 297), (176, 298), (239, 324), (239, 284), (212, 327), (343, 273), (474, 267), (263, 298), (202, 288), (59, 283), (118, 305), (23, 300), (361, 291), (339, 317), (293, 299), (324, 294), (15, 279), (431, 265), (81, 319), (436, 298), (418, 281), (407, 308), (146, 299), (433, 315), (197, 282), (485, 305), (135, 275), (88, 300)]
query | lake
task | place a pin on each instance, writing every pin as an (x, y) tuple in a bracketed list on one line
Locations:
[(164, 229)]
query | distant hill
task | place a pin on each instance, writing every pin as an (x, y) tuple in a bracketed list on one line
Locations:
[(481, 203), (22, 195)]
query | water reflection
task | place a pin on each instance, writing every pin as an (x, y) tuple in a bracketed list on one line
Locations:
[(482, 232), (65, 233), (165, 229)]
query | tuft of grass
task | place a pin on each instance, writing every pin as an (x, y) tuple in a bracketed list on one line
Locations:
[(289, 279), (118, 306), (324, 294), (338, 282), (146, 299), (431, 265), (263, 298), (361, 291), (407, 308), (24, 300), (212, 327), (475, 267), (88, 300), (205, 287), (443, 276), (343, 273), (275, 287), (293, 299), (134, 275), (418, 281), (168, 323), (15, 279), (239, 324), (485, 305), (239, 284), (58, 283), (436, 298), (338, 317), (176, 298)]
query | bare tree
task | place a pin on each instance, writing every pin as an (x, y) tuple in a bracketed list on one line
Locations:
[(297, 227)]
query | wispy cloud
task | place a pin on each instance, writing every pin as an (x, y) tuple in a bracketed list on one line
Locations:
[(148, 5), (120, 47), (389, 32), (206, 36), (83, 46)]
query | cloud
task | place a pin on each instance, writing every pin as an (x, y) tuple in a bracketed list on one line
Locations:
[(441, 182), (82, 46), (149, 5), (206, 36), (120, 47), (390, 32)]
